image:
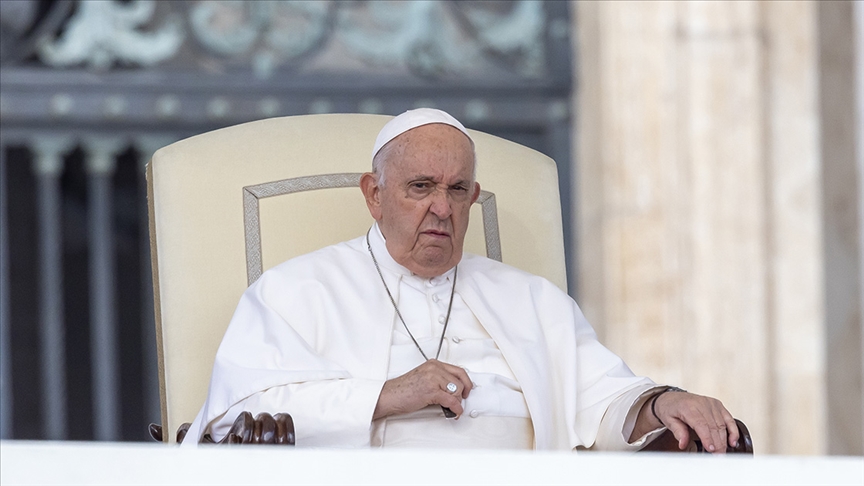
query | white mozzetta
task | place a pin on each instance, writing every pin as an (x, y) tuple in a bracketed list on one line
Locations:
[(276, 339)]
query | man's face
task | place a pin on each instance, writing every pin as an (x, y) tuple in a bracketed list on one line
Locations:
[(423, 208)]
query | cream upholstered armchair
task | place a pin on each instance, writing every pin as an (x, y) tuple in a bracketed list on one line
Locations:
[(228, 204)]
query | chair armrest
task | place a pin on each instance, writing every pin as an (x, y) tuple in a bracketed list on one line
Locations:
[(263, 429), (667, 442), (156, 432)]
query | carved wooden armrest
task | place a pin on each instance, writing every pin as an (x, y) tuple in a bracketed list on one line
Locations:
[(668, 443), (263, 429)]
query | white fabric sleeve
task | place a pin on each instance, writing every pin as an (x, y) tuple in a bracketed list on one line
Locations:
[(620, 419), (331, 413)]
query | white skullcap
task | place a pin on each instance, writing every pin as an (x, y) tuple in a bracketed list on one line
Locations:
[(413, 119)]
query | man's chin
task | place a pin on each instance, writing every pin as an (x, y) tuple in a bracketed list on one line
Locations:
[(432, 262)]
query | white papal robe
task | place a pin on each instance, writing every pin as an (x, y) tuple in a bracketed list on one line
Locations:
[(313, 335)]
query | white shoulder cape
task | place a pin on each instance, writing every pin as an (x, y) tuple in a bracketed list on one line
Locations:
[(324, 317)]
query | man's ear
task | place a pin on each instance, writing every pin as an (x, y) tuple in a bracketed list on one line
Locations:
[(476, 192), (372, 193)]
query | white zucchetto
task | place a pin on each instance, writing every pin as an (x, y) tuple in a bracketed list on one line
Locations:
[(413, 119)]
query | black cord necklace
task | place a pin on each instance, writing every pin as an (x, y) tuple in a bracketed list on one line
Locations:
[(401, 319), (447, 412)]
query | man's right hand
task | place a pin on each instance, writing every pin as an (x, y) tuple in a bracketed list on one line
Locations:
[(423, 386)]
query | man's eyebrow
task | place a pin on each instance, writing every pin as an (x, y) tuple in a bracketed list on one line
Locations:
[(418, 178)]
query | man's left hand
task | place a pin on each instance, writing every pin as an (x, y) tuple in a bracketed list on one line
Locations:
[(681, 411)]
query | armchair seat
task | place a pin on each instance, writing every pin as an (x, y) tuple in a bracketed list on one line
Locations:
[(226, 205)]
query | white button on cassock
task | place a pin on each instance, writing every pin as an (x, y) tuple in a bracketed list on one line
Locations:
[(474, 414), (441, 319)]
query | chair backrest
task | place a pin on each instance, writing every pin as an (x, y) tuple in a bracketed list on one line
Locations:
[(227, 204)]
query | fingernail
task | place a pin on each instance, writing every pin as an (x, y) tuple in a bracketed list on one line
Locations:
[(735, 444)]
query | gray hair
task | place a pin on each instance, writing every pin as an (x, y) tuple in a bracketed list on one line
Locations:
[(379, 162)]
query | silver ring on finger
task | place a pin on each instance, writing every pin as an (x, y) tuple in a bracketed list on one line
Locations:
[(451, 387)]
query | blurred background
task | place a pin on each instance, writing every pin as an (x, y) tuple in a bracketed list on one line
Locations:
[(710, 166)]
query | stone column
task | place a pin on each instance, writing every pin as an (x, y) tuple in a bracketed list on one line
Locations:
[(100, 163), (701, 208), (859, 144), (48, 165), (841, 225), (6, 401)]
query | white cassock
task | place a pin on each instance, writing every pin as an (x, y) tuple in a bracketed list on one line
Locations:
[(317, 337)]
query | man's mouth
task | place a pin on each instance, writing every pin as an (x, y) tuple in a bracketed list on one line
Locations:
[(437, 233)]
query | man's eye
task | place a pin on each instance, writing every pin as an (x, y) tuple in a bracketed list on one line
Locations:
[(420, 185), (459, 191)]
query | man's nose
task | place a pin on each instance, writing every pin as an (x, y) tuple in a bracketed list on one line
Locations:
[(440, 204)]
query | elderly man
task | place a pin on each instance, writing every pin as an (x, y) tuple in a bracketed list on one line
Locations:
[(397, 339)]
